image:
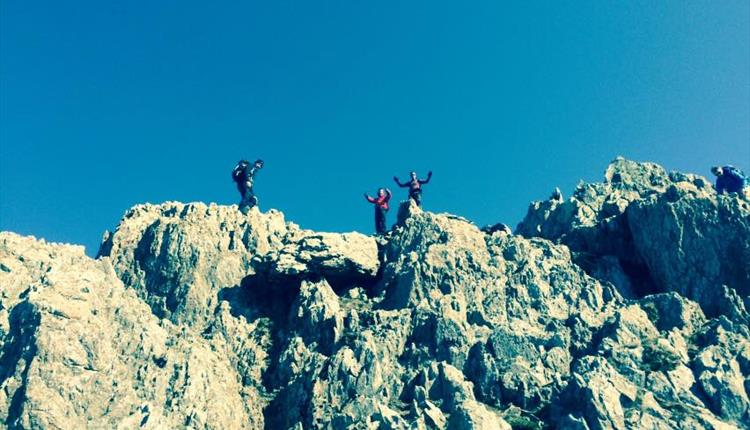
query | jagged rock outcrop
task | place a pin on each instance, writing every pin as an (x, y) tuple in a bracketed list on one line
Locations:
[(79, 350), (181, 257), (694, 243), (646, 230), (178, 257), (198, 316)]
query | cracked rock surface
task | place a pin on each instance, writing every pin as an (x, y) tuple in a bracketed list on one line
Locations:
[(622, 307)]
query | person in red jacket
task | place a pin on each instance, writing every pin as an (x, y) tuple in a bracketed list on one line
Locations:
[(381, 207), (415, 186)]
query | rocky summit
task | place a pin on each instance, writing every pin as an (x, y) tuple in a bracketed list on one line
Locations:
[(623, 306)]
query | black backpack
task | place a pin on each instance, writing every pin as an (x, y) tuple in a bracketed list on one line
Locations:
[(238, 172)]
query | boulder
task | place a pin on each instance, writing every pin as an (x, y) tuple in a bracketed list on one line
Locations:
[(340, 257)]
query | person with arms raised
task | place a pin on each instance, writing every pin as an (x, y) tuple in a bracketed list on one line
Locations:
[(381, 207), (415, 186)]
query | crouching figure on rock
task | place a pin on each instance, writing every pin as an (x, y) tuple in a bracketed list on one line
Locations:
[(731, 180)]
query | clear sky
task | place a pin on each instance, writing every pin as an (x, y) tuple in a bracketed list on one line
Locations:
[(107, 104)]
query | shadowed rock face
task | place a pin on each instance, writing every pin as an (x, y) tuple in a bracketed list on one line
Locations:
[(197, 316)]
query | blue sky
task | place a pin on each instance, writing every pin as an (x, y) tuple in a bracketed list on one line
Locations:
[(107, 104)]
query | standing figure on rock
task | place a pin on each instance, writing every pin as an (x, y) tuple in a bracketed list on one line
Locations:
[(415, 186), (556, 195), (381, 207), (729, 179), (243, 175)]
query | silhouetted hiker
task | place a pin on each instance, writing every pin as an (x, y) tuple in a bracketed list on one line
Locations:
[(556, 195), (497, 228), (415, 186), (244, 174), (729, 179), (381, 207)]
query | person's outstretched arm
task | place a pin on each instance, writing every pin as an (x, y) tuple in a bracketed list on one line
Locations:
[(369, 199), (250, 174), (429, 176), (395, 178)]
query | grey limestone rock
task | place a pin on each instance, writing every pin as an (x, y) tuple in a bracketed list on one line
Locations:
[(622, 307), (666, 232)]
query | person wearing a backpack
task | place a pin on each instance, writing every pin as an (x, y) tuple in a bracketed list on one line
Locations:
[(381, 207), (729, 179), (243, 175)]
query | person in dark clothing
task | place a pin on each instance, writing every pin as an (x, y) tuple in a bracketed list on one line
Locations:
[(415, 186), (729, 179), (381, 207), (244, 175)]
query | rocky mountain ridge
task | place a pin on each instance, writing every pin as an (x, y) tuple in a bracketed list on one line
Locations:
[(623, 306)]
